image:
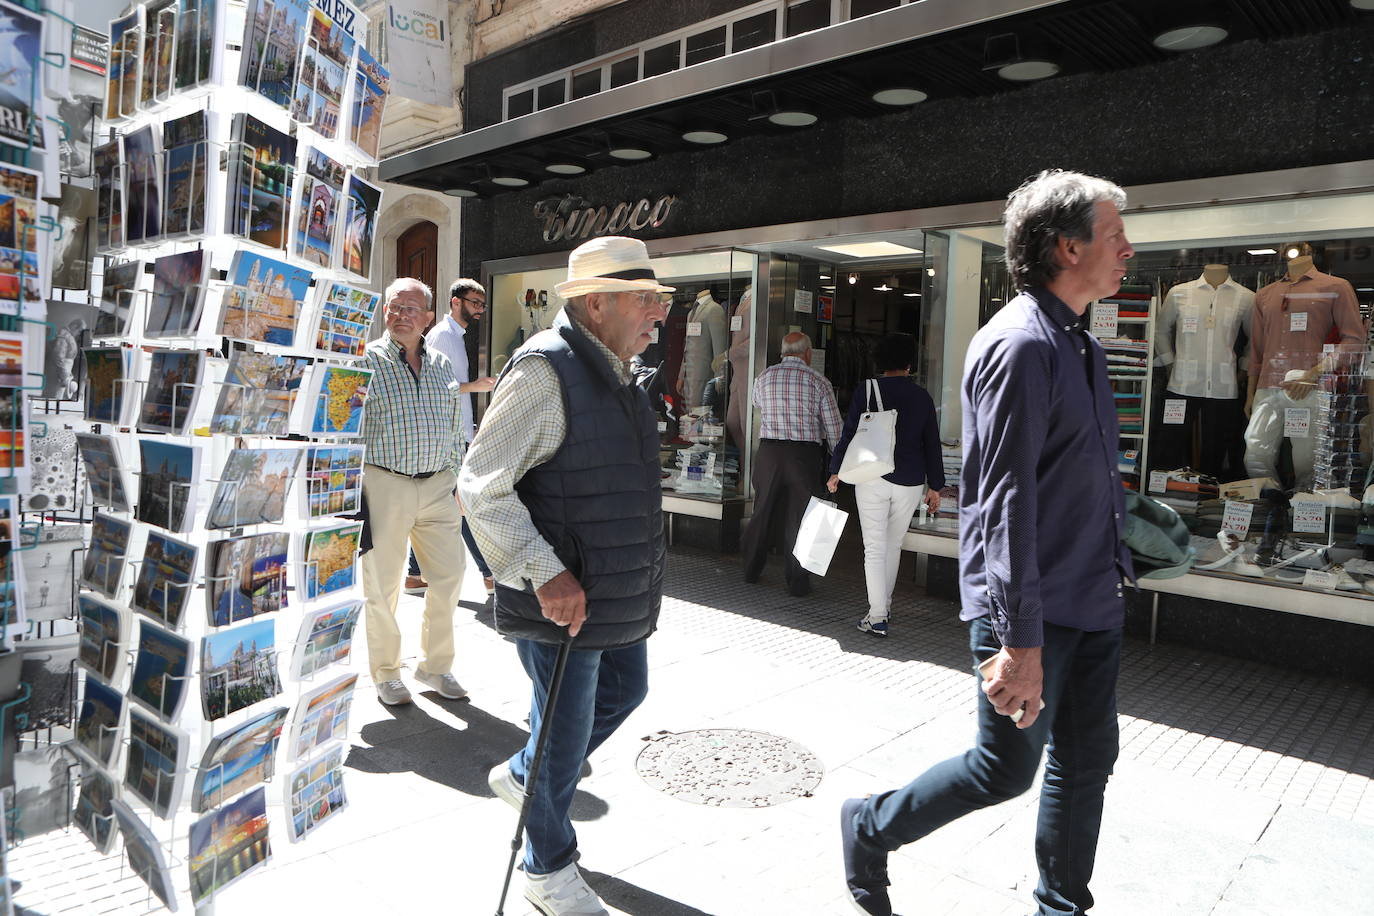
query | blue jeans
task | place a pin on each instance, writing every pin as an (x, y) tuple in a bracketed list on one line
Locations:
[(1079, 724), (600, 689)]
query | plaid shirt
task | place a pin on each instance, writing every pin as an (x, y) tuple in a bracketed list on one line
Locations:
[(796, 403), (413, 426)]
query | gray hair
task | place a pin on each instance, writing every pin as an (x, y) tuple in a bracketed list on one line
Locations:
[(576, 306), (795, 344), (463, 286), (401, 283), (1054, 204)]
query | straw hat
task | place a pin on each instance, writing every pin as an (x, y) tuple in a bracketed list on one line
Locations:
[(613, 264)]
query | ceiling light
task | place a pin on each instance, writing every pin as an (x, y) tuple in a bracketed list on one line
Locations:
[(995, 299), (899, 96), (460, 192), (565, 168), (883, 289), (828, 287), (630, 153), (930, 271), (1365, 289), (1292, 253), (1362, 4), (1189, 37), (825, 276), (853, 278), (1028, 71), (705, 137), (1261, 251), (509, 181), (870, 249), (911, 295), (793, 117)]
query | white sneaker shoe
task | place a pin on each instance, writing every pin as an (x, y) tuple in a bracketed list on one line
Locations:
[(446, 685), (563, 893), (504, 785)]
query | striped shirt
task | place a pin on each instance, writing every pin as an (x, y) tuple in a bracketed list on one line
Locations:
[(796, 403), (414, 425)]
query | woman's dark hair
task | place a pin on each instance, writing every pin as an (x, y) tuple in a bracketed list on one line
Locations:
[(895, 351)]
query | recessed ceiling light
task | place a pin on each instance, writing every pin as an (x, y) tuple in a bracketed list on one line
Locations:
[(793, 117), (832, 286), (1190, 37), (460, 192), (1261, 251), (870, 249), (825, 276), (930, 271), (898, 96), (509, 181), (853, 278), (1292, 253), (1365, 289), (911, 295), (1028, 71), (1362, 4), (630, 153), (995, 299), (565, 168), (883, 289), (705, 137)]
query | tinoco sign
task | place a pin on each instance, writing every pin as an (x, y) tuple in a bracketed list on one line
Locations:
[(572, 217)]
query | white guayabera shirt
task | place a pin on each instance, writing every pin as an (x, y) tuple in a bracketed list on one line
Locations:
[(1196, 336)]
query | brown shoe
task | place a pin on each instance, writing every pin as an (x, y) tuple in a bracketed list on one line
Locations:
[(416, 585), (490, 584)]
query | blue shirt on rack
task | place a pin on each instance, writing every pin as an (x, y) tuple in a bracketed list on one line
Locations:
[(916, 458)]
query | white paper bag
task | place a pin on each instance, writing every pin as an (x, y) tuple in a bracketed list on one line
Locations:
[(820, 531)]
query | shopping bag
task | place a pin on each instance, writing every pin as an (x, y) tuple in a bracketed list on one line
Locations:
[(820, 531), (870, 452)]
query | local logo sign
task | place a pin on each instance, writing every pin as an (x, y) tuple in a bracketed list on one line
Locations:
[(572, 217)]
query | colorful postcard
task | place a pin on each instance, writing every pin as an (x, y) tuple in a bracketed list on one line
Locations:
[(263, 300), (117, 299), (274, 37), (228, 843), (166, 484), (326, 638), (371, 86), (360, 226), (258, 393), (165, 579), (330, 560), (107, 384), (156, 763), (238, 668), (262, 167), (238, 760), (253, 487), (162, 670), (346, 315), (186, 153), (325, 65), (317, 209), (98, 722), (21, 55), (94, 813), (339, 393), (14, 424), (322, 715), (109, 204), (170, 395), (315, 793), (23, 247), (49, 571), (178, 293), (198, 47), (104, 564), (142, 187), (333, 481), (125, 73), (159, 42), (13, 364), (246, 577), (104, 471), (104, 637), (145, 855)]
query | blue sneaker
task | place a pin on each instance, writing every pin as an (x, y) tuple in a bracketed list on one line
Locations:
[(875, 627)]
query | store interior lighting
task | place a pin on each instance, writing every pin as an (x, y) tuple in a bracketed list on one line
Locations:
[(1259, 252), (1028, 71), (1362, 4), (793, 117), (930, 271), (460, 191), (1190, 37), (853, 278), (911, 295), (704, 136), (899, 96), (1292, 253), (565, 168), (870, 249), (630, 153), (882, 288), (509, 181)]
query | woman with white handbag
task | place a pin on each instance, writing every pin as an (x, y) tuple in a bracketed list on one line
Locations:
[(890, 451)]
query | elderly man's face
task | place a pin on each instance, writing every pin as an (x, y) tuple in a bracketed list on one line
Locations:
[(406, 312), (625, 321), (1101, 263)]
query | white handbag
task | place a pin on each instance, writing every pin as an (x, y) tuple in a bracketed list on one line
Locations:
[(818, 535), (870, 451)]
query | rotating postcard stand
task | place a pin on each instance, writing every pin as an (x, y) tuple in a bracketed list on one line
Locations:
[(188, 218), (246, 178)]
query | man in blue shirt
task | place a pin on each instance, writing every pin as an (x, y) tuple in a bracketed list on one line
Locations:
[(1041, 557)]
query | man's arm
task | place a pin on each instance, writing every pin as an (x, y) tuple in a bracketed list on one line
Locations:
[(831, 421)]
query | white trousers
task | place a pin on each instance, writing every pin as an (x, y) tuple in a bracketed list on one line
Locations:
[(885, 511), (1264, 436)]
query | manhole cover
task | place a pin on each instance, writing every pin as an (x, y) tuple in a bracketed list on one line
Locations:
[(729, 767)]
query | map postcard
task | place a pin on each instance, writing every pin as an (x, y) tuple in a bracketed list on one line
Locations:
[(326, 637), (246, 577), (173, 387), (360, 225), (253, 487), (104, 471), (162, 671), (238, 760), (165, 579), (156, 764), (104, 564), (98, 722), (258, 394), (178, 293), (238, 668), (104, 637), (317, 209), (166, 484), (315, 793), (145, 855), (263, 300), (227, 844), (337, 406), (346, 314), (330, 560), (322, 715), (333, 481), (117, 299)]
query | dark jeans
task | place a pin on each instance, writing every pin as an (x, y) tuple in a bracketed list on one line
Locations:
[(1079, 724), (600, 689), (786, 476), (1213, 428), (414, 568)]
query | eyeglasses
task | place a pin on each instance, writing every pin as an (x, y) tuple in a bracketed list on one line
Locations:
[(473, 301), (409, 311), (645, 300)]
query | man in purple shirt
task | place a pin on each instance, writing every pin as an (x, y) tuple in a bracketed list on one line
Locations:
[(1041, 557)]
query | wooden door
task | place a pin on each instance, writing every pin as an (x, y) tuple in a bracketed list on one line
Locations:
[(417, 255)]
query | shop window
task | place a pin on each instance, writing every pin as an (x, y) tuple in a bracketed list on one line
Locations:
[(519, 104), (859, 8), (586, 83), (624, 72), (706, 46), (551, 94), (807, 16), (663, 59), (755, 31)]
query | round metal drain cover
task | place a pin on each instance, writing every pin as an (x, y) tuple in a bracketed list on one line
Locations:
[(729, 767)]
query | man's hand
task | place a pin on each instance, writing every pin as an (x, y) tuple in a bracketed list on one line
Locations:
[(833, 483), (563, 601), (932, 499), (485, 383), (1015, 681), (1249, 404)]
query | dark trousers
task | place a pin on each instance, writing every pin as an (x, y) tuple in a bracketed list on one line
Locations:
[(1079, 724), (414, 568), (1213, 427), (786, 476)]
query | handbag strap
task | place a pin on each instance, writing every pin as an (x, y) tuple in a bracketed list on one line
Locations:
[(875, 394)]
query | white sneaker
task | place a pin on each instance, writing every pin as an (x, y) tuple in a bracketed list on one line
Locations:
[(446, 685), (504, 785), (563, 893)]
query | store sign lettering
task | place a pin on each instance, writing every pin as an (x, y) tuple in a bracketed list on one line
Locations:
[(572, 217), (341, 13)]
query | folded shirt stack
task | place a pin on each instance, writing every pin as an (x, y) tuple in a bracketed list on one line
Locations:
[(1131, 302)]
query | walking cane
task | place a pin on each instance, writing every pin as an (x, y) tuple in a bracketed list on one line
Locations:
[(530, 778)]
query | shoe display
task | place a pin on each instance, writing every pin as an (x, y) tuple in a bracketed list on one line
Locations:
[(505, 786), (563, 893), (393, 693), (875, 627), (865, 871), (415, 585), (443, 684)]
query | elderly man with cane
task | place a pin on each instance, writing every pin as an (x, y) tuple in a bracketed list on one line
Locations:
[(562, 485)]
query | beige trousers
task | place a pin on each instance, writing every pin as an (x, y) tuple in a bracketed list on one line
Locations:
[(424, 514)]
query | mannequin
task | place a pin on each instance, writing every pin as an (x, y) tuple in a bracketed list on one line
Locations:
[(739, 369), (1197, 326), (1293, 317), (706, 336)]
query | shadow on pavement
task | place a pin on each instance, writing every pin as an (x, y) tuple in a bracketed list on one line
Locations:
[(634, 900)]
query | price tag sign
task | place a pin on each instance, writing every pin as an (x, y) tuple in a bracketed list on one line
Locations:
[(662, 426), (1309, 517), (1316, 578), (653, 336), (1237, 517), (802, 299), (694, 329), (710, 464), (1297, 321), (1328, 348), (1189, 324), (1297, 422), (736, 322), (712, 429), (1159, 481), (1104, 319), (1175, 410)]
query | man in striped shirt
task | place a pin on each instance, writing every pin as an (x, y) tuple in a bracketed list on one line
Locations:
[(414, 447), (797, 413)]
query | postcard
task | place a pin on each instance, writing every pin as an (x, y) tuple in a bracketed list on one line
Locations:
[(227, 844), (159, 41), (186, 153), (162, 670), (13, 364), (20, 55), (50, 571), (104, 471), (238, 760), (89, 56), (94, 815), (238, 668), (263, 300), (253, 487), (200, 25), (359, 225), (371, 86), (262, 170), (145, 854), (322, 715), (156, 764), (165, 579), (23, 247), (64, 366), (166, 484), (326, 637), (104, 637), (346, 314), (274, 36), (48, 666), (74, 242), (338, 394), (325, 63), (98, 722), (258, 393), (40, 800), (107, 384), (142, 187), (330, 560), (117, 299), (125, 72), (178, 292), (14, 426), (333, 481), (170, 396), (14, 621), (315, 793), (104, 565), (109, 204), (317, 209), (246, 577), (58, 479)]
